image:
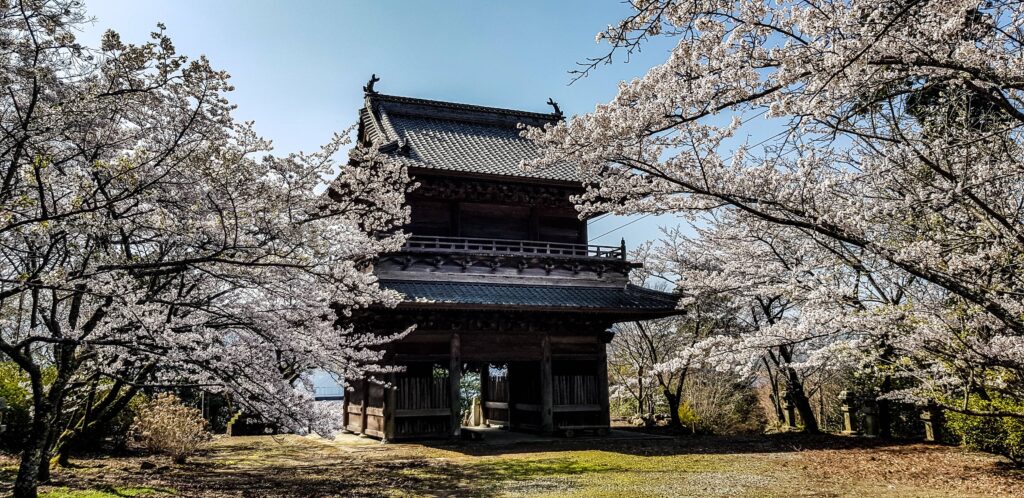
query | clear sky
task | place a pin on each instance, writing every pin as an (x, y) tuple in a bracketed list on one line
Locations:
[(299, 66)]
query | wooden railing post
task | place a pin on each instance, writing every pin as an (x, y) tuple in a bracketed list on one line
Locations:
[(472, 244)]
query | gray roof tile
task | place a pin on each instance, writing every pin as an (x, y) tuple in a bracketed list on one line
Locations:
[(627, 298), (460, 137)]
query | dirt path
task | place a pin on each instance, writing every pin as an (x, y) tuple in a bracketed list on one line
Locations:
[(789, 465)]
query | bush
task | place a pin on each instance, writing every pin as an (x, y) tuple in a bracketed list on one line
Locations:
[(720, 403), (1000, 435), (14, 391), (165, 425)]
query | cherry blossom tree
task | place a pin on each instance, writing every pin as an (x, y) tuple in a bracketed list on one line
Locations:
[(640, 351), (792, 306), (898, 150), (148, 240)]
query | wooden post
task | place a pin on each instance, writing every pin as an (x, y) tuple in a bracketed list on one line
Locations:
[(485, 380), (344, 411), (511, 400), (454, 379), (390, 404), (365, 403), (547, 417), (602, 385)]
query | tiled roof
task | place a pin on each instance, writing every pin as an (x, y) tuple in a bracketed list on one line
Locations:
[(626, 299), (459, 137)]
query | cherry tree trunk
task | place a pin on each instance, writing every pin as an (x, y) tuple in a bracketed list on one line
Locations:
[(673, 409), (32, 457), (801, 402)]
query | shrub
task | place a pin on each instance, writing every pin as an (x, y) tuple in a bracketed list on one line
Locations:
[(14, 392), (720, 403), (1000, 435), (165, 425)]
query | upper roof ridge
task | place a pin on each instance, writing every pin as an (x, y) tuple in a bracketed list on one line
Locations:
[(374, 98)]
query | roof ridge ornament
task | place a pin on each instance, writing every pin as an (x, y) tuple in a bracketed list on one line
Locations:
[(368, 89), (558, 111)]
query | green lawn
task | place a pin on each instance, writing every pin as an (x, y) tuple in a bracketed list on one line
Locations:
[(787, 465)]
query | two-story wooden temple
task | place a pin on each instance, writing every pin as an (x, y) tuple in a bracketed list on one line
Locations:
[(497, 275)]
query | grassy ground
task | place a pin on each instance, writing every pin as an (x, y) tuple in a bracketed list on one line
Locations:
[(786, 465)]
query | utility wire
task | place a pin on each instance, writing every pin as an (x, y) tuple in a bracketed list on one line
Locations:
[(620, 227)]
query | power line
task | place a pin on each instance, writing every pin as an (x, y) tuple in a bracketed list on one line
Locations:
[(624, 225)]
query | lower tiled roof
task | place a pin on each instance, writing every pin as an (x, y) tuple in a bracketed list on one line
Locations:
[(629, 298)]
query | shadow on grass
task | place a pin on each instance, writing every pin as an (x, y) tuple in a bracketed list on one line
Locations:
[(667, 446), (265, 467)]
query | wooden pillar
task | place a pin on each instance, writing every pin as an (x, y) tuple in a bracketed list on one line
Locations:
[(454, 379), (511, 400), (390, 404), (344, 411), (365, 403), (602, 385), (485, 379), (547, 416)]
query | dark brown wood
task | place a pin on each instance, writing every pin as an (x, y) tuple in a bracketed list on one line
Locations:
[(424, 412), (602, 386), (477, 229), (510, 400), (454, 379), (363, 406), (576, 408), (344, 412), (547, 423), (390, 408), (485, 381)]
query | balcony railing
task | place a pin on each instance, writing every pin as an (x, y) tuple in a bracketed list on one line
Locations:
[(470, 245)]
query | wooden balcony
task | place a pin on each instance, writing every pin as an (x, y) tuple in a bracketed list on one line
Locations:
[(470, 245)]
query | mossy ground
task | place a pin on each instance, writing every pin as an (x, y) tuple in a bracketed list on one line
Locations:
[(105, 492), (787, 465)]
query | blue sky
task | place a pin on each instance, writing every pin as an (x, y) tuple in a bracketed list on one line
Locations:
[(298, 67)]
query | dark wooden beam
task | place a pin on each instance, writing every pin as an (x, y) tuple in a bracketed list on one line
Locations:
[(390, 407), (602, 386), (485, 380), (344, 411), (364, 404), (547, 416), (454, 379)]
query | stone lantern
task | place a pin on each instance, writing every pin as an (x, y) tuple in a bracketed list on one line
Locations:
[(847, 402), (788, 410)]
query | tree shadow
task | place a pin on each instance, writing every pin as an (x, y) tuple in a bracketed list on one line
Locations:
[(259, 467), (674, 445)]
